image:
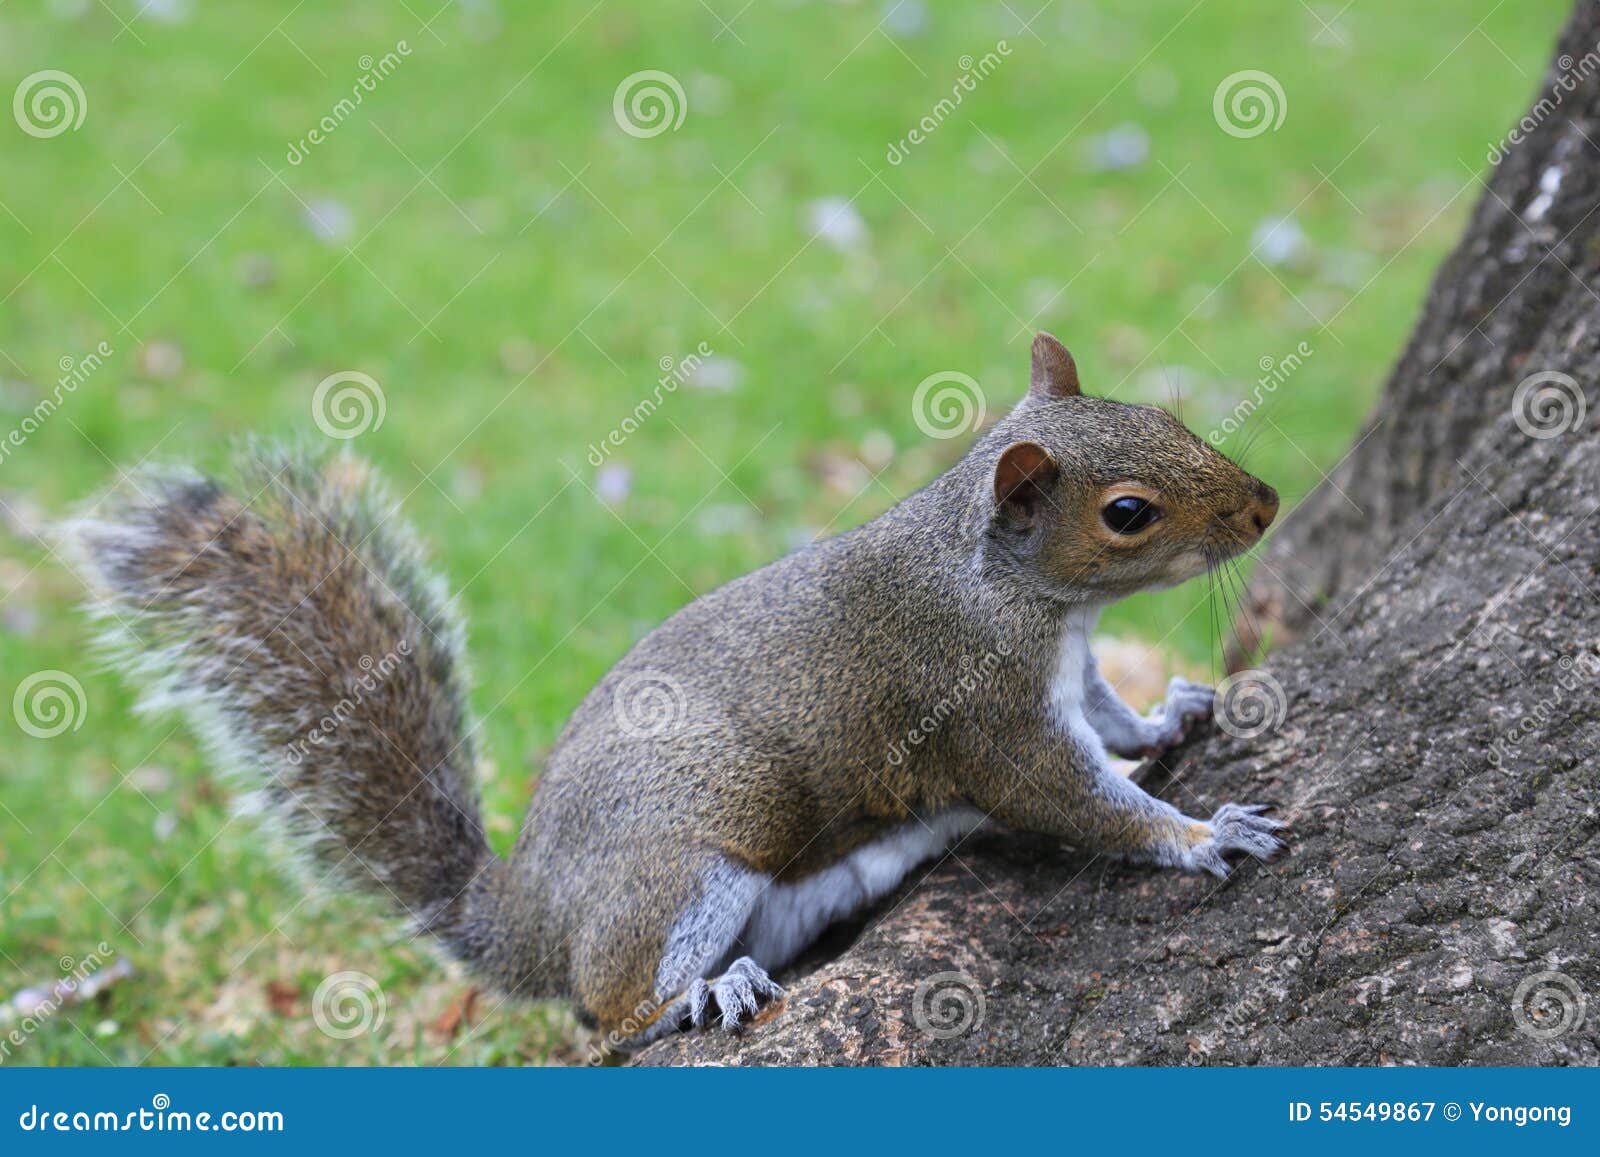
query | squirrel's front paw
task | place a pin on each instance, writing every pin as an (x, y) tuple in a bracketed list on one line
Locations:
[(1234, 828), (1168, 725)]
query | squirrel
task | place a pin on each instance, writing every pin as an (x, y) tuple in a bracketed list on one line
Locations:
[(776, 755)]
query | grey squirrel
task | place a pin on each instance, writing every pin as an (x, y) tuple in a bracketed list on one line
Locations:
[(779, 753)]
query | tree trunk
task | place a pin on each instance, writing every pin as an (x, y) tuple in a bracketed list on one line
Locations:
[(1435, 609)]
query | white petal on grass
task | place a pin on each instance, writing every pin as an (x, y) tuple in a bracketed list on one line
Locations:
[(1124, 147), (165, 11), (728, 518), (70, 989), (330, 221), (717, 373), (1280, 241), (834, 220), (877, 449), (905, 18), (159, 361), (613, 483)]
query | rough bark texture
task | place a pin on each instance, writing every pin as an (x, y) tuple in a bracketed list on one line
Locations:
[(1436, 757)]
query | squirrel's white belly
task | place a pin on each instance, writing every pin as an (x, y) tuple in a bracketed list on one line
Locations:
[(1067, 705), (788, 917)]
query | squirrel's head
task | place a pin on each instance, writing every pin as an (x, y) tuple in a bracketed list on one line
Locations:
[(1108, 498)]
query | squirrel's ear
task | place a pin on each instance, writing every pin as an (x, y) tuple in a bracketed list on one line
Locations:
[(1055, 374), (1022, 479)]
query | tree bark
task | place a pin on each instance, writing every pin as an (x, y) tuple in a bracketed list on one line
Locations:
[(1435, 611)]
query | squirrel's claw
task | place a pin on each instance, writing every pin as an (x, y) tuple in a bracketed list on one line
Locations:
[(699, 998), (732, 998), (1236, 828)]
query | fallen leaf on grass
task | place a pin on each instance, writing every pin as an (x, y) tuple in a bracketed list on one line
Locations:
[(283, 997), (449, 1022)]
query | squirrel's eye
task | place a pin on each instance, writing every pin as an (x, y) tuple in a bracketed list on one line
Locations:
[(1129, 515)]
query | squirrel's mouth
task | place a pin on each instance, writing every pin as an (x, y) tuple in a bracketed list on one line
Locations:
[(1221, 549)]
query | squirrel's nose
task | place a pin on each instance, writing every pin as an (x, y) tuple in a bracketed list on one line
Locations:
[(1265, 507)]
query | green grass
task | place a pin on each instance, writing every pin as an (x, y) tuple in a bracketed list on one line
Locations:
[(501, 224)]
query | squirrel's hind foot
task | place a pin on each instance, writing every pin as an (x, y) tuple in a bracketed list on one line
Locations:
[(733, 998)]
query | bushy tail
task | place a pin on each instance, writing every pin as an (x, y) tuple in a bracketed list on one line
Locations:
[(296, 626)]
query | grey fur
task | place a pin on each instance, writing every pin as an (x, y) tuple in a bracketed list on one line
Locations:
[(930, 664), (319, 662), (705, 932)]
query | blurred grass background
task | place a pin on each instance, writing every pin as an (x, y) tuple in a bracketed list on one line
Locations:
[(482, 239)]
